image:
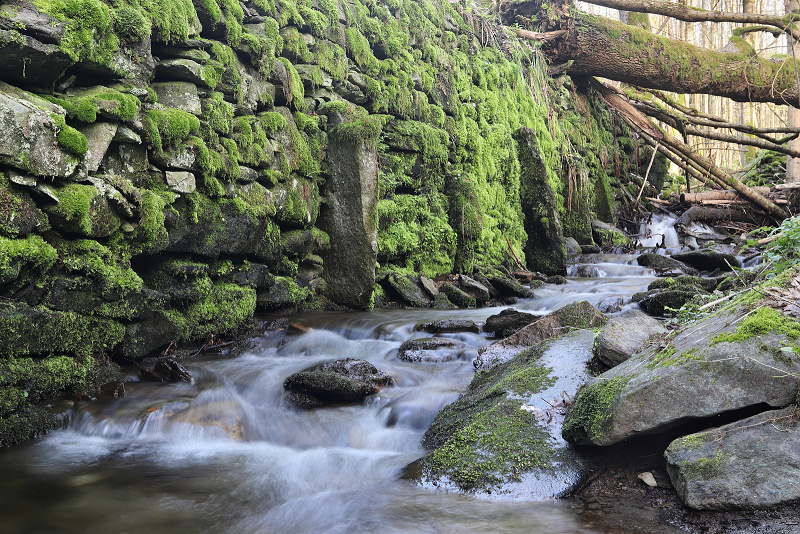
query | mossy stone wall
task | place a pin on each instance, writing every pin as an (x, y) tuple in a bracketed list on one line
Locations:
[(195, 201)]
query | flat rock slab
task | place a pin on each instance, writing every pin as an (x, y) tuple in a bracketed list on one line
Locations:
[(753, 463), (706, 260), (572, 316), (434, 349), (623, 335), (449, 326), (695, 374)]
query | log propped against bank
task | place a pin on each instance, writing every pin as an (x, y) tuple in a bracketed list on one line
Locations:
[(598, 46), (589, 46)]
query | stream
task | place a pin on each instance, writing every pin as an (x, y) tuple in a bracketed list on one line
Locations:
[(227, 454)]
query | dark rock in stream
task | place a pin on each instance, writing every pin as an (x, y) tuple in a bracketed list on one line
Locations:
[(508, 321), (165, 370), (449, 326), (752, 463), (347, 380), (708, 260), (664, 263), (435, 349)]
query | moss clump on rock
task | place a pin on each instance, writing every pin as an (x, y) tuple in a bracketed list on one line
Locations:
[(486, 438), (591, 411)]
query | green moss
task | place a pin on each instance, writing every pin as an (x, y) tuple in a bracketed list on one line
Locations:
[(74, 203), (167, 127), (69, 138), (40, 331), (99, 262), (86, 104), (226, 308), (592, 409), (670, 356), (294, 91), (31, 250), (485, 438), (763, 321)]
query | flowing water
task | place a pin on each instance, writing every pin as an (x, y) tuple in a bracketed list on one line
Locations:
[(227, 454)]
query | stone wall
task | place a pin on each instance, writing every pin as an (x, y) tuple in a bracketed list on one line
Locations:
[(171, 167)]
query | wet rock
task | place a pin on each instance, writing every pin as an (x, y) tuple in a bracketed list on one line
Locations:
[(347, 380), (701, 372), (708, 260), (508, 321), (611, 305), (351, 218), (98, 136), (474, 288), (752, 463), (665, 303), (113, 390), (179, 95), (572, 245), (429, 286), (407, 288), (590, 249), (441, 302), (457, 297), (509, 287), (501, 436), (576, 315), (149, 333), (429, 350), (608, 235), (181, 70), (555, 279), (625, 334), (172, 371), (544, 250), (665, 264), (448, 326), (29, 141), (29, 61), (181, 181)]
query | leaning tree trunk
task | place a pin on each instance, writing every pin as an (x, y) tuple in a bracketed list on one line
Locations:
[(597, 46)]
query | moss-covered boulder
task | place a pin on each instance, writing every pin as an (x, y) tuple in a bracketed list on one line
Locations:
[(727, 362), (500, 436), (742, 465), (35, 137)]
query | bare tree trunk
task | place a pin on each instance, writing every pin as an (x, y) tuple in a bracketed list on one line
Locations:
[(793, 52)]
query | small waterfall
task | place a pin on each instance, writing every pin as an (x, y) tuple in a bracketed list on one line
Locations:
[(660, 229)]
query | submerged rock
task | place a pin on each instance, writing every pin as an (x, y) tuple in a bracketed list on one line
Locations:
[(448, 326), (624, 335), (726, 362), (752, 463), (434, 349), (347, 380), (575, 315)]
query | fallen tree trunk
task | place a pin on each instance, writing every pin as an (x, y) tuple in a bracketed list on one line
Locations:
[(698, 198), (701, 214), (597, 46)]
